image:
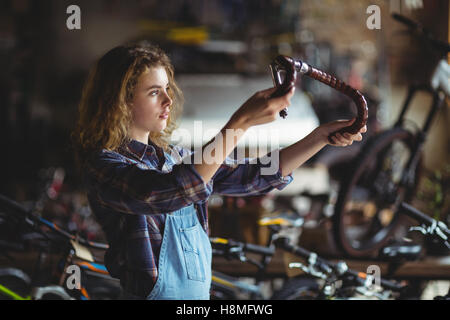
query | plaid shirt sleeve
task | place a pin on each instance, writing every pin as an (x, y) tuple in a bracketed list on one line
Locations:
[(248, 176), (136, 189)]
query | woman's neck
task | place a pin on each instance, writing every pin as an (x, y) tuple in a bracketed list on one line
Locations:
[(139, 136)]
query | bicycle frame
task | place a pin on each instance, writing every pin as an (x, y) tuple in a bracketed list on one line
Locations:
[(438, 99), (439, 88)]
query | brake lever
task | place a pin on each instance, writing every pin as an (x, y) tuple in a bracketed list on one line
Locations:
[(308, 269), (433, 230), (314, 267)]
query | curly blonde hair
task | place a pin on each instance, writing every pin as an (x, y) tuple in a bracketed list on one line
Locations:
[(104, 113)]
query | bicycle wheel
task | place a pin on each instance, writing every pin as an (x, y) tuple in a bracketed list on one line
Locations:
[(365, 215), (13, 287)]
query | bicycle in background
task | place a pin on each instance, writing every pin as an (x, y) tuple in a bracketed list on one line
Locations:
[(95, 282), (387, 169)]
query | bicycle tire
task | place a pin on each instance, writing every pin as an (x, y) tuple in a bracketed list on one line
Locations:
[(14, 284), (298, 288), (367, 170)]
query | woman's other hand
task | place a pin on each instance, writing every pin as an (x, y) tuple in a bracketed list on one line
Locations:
[(338, 139)]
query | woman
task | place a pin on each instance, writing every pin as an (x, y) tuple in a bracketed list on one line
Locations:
[(149, 196)]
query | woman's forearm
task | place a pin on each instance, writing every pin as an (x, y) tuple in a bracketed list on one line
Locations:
[(298, 153), (295, 155), (217, 149)]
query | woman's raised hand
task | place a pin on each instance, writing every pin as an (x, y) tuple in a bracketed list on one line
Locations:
[(261, 108)]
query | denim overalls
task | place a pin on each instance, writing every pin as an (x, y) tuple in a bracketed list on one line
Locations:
[(184, 270)]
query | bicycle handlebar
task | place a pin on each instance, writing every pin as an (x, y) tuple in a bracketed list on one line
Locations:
[(329, 267), (441, 45), (13, 205), (423, 218), (248, 247), (284, 244), (268, 251), (291, 66), (416, 214)]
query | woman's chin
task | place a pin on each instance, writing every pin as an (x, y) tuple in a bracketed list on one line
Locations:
[(159, 127)]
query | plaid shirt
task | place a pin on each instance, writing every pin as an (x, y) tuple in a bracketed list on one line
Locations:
[(132, 190)]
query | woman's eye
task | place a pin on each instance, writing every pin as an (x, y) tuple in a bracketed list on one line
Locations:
[(156, 92)]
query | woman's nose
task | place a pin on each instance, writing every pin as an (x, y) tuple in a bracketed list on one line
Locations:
[(167, 100)]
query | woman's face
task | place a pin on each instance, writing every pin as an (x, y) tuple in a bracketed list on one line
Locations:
[(151, 102)]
